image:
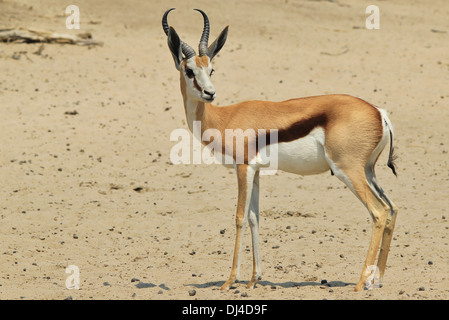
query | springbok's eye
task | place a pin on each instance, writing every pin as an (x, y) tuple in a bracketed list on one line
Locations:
[(212, 72), (189, 73)]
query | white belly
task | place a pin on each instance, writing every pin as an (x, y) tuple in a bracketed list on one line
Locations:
[(304, 156)]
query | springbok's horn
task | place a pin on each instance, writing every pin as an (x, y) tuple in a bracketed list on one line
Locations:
[(205, 36), (186, 49)]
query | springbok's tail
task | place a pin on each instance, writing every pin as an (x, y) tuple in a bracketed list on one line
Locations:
[(392, 156)]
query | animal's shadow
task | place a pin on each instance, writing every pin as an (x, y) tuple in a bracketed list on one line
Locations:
[(265, 283), (143, 285)]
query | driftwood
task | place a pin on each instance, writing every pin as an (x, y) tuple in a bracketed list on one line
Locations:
[(33, 35)]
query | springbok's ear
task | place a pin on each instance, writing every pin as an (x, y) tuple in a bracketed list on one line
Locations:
[(216, 46), (174, 43)]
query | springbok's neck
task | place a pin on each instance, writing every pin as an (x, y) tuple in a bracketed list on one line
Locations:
[(196, 110)]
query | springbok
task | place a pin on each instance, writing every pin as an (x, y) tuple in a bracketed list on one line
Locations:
[(340, 133)]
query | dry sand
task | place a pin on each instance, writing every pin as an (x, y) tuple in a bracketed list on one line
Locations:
[(95, 188)]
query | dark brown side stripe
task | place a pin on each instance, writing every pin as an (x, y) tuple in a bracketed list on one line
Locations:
[(297, 130), (302, 128)]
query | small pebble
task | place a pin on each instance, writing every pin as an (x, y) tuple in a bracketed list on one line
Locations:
[(192, 293), (421, 289), (244, 294), (134, 280)]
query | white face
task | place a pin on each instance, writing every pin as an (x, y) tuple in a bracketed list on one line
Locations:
[(197, 72)]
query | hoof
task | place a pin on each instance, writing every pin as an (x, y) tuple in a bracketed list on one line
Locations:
[(252, 283), (359, 287), (227, 284)]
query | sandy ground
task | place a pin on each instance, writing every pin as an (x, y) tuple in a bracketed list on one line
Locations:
[(96, 189)]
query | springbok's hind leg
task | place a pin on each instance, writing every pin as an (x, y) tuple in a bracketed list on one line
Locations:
[(356, 180), (389, 223)]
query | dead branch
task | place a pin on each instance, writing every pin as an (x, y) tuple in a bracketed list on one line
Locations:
[(29, 35)]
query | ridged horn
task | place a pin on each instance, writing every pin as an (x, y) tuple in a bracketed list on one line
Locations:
[(186, 49), (205, 36), (164, 21)]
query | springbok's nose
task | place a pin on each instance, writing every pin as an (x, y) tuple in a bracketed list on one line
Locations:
[(210, 93)]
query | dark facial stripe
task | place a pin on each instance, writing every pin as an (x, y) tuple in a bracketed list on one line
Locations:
[(197, 86)]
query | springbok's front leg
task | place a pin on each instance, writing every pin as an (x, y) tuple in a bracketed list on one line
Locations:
[(254, 225), (245, 177)]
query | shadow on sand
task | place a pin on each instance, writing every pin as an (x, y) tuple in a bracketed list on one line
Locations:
[(264, 283), (143, 285)]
